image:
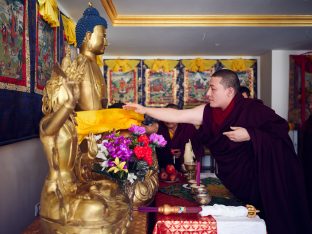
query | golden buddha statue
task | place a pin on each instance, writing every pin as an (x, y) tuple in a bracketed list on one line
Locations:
[(69, 204), (91, 41)]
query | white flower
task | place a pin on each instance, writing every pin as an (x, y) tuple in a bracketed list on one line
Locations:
[(131, 177), (104, 164), (97, 137), (102, 152)]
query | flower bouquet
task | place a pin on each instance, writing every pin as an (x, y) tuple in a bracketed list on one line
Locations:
[(127, 159)]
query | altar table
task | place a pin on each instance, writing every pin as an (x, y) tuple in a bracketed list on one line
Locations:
[(194, 223)]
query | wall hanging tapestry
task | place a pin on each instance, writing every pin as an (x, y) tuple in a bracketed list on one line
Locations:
[(300, 86), (14, 46), (20, 108), (45, 53), (122, 80), (160, 82), (245, 69), (197, 73)]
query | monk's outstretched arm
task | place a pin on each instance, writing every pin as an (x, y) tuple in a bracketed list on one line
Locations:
[(192, 116)]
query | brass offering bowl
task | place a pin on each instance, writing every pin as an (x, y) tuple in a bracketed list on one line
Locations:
[(190, 182), (203, 198), (201, 190), (190, 166), (194, 187)]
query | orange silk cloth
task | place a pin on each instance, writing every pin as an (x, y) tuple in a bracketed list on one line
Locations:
[(105, 120), (181, 223)]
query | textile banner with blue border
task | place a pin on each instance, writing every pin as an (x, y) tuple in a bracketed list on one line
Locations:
[(20, 106), (122, 80)]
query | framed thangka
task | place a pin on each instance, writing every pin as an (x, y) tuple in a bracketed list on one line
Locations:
[(196, 87), (14, 46), (247, 79), (245, 69), (45, 53), (122, 80), (161, 82), (160, 88), (122, 87)]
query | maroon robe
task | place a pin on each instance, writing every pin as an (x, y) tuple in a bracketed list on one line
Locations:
[(182, 135), (265, 171), (307, 158)]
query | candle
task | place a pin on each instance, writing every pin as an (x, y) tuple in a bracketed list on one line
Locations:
[(188, 153), (197, 173)]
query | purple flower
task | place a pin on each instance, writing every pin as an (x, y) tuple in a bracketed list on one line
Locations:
[(158, 140), (137, 130)]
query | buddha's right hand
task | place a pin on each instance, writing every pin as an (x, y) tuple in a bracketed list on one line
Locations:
[(135, 107), (92, 146)]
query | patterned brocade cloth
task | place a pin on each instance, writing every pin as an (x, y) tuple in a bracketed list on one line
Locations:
[(203, 225), (181, 223)]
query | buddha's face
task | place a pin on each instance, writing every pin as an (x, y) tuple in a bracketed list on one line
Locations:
[(97, 41)]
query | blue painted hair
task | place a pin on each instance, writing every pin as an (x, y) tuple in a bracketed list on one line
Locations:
[(87, 22)]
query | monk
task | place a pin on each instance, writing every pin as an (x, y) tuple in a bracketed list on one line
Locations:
[(255, 156), (307, 151)]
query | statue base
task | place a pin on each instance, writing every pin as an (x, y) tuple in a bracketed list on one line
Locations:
[(52, 227)]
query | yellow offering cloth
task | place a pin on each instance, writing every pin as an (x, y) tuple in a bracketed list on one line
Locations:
[(105, 120)]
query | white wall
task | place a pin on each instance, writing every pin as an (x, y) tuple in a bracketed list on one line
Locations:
[(22, 173), (265, 78)]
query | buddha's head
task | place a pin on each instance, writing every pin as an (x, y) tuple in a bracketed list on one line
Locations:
[(91, 31)]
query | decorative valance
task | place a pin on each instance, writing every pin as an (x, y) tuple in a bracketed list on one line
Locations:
[(158, 65), (69, 29), (122, 65), (238, 65), (198, 64), (49, 11)]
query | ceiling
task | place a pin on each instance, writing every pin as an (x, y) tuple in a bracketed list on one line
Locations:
[(201, 27)]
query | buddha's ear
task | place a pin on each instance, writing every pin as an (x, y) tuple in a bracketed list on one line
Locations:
[(88, 36)]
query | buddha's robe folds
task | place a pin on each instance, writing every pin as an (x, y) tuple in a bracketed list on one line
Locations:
[(265, 171), (182, 135), (105, 120)]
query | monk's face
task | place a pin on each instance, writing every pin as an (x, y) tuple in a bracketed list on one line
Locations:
[(171, 126), (245, 95), (98, 42), (219, 96)]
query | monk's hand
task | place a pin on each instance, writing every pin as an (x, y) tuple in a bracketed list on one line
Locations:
[(238, 134), (135, 107)]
